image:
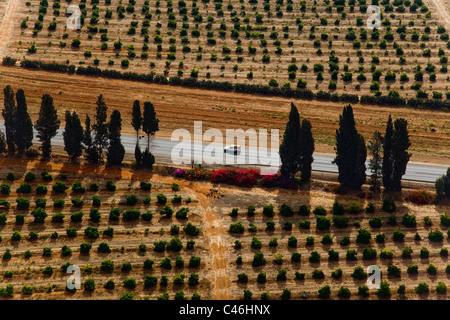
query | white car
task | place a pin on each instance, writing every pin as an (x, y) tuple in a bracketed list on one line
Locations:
[(232, 149)]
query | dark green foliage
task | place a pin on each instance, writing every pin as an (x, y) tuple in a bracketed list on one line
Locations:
[(103, 247), (369, 253), (286, 210), (182, 213), (319, 211), (77, 216), (375, 163), (100, 127), (350, 151), (394, 271), (359, 273), (147, 216), (149, 123), (23, 203), (24, 188), (340, 222), (314, 257), (116, 151), (47, 124), (435, 236), (192, 230), (289, 148), (129, 283), (96, 202), (77, 187), (166, 263), (91, 232), (258, 259), (161, 198), (422, 288), (268, 210), (303, 210), (66, 251), (85, 248), (131, 215), (71, 232), (175, 245), (73, 136), (237, 227), (9, 113), (41, 189), (384, 291), (323, 223), (24, 127), (338, 208), (398, 235), (59, 187), (39, 215), (363, 236), (324, 292), (108, 232), (388, 205), (114, 214)]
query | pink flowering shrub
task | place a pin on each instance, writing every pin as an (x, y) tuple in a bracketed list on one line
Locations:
[(422, 196), (239, 177)]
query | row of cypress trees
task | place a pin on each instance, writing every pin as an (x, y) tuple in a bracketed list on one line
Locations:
[(389, 153), (92, 140), (297, 147)]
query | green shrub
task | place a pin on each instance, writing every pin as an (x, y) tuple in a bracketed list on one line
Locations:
[(359, 273), (103, 247), (384, 291), (91, 232), (388, 205), (77, 187), (129, 283), (324, 292), (319, 211), (370, 208), (258, 259), (340, 221), (409, 220), (39, 215), (108, 232), (398, 235), (424, 253), (77, 216), (71, 232), (268, 210), (94, 215), (364, 236), (107, 266), (114, 214), (85, 248), (58, 217), (354, 207), (435, 236), (338, 208), (161, 198), (175, 245), (394, 271), (314, 257), (286, 210), (110, 186), (166, 263), (5, 188), (192, 230), (369, 253), (375, 222), (131, 200), (59, 187), (30, 176), (166, 211), (58, 203), (304, 210), (24, 188), (422, 288), (147, 186), (66, 251), (77, 202), (323, 223), (131, 214)]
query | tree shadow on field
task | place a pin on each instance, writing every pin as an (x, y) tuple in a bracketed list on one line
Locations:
[(18, 168)]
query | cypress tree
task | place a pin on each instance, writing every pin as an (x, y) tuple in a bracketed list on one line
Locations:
[(91, 153), (2, 142), (136, 118), (73, 136), (290, 147), (116, 151), (375, 163), (47, 124), (149, 122), (9, 112), (24, 126), (400, 155), (148, 159), (306, 150), (351, 151), (100, 127), (387, 155)]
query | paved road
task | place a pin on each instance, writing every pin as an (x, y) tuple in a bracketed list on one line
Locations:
[(162, 149)]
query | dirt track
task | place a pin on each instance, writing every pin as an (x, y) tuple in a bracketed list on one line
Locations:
[(442, 10), (6, 24)]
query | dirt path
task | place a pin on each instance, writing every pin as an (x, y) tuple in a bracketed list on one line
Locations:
[(442, 11), (214, 240), (6, 25)]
